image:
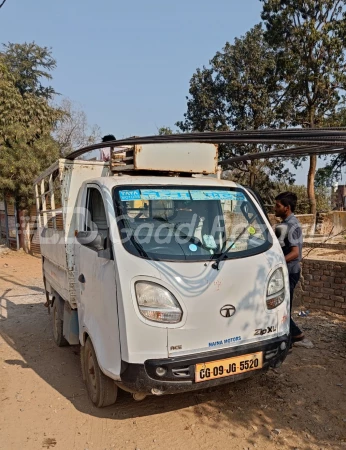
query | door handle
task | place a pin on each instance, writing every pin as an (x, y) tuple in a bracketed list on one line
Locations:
[(81, 278)]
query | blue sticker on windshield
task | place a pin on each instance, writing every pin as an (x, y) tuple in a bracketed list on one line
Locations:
[(217, 195), (126, 196), (164, 194), (193, 247)]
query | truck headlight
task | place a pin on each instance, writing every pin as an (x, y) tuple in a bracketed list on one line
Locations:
[(156, 303), (275, 289)]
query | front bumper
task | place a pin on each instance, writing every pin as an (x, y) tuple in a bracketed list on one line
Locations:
[(180, 371)]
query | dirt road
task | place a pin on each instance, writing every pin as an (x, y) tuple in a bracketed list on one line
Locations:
[(43, 402)]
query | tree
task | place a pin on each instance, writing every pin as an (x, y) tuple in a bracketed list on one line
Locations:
[(239, 91), (30, 65), (26, 145), (310, 39), (73, 131), (324, 176), (164, 131), (323, 199), (337, 161)]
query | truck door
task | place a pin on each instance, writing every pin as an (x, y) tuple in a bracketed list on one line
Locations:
[(96, 284)]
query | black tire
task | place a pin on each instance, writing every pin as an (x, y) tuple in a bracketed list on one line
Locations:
[(58, 325), (101, 389)]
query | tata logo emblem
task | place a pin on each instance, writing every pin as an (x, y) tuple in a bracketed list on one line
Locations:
[(227, 311)]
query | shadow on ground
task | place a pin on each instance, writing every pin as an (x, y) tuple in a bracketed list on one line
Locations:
[(301, 399)]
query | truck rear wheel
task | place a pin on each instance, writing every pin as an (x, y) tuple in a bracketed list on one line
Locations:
[(58, 325), (101, 389)]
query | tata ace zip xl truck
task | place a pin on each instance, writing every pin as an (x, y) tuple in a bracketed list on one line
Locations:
[(169, 278)]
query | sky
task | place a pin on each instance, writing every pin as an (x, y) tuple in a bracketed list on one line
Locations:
[(128, 64)]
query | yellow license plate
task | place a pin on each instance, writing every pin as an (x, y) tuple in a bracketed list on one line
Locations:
[(227, 367)]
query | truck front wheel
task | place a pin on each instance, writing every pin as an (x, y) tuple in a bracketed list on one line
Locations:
[(101, 389)]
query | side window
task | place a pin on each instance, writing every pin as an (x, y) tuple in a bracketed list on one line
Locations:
[(93, 221), (243, 225), (96, 219), (259, 200)]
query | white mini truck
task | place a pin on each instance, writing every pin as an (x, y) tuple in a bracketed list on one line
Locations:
[(169, 278)]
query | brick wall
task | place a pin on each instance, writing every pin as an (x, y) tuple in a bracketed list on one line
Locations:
[(322, 286), (307, 222), (333, 222)]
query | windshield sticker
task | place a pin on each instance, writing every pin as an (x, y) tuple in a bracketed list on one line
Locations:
[(126, 196), (209, 241), (193, 247), (217, 195), (251, 230), (164, 194)]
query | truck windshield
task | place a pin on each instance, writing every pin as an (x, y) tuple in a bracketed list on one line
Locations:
[(194, 224)]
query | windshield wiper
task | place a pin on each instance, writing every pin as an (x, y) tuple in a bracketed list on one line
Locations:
[(222, 255), (139, 247), (133, 239)]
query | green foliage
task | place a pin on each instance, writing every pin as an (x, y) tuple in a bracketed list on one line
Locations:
[(324, 176), (263, 175), (323, 198), (20, 163), (309, 37), (339, 161), (26, 116), (165, 131), (26, 122), (239, 91), (30, 64)]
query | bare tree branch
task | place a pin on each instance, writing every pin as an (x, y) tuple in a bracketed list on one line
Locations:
[(73, 130), (330, 236), (2, 4)]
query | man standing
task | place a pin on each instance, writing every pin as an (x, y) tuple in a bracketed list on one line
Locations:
[(289, 233)]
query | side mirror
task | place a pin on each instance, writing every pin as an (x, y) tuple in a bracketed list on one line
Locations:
[(91, 238)]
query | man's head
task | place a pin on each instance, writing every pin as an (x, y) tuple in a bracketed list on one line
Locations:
[(108, 137), (285, 204)]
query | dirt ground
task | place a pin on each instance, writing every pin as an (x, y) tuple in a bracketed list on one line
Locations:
[(43, 402)]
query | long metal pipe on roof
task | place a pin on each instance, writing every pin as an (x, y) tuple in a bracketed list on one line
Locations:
[(320, 140), (292, 152)]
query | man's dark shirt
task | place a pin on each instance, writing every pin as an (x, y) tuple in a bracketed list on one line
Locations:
[(289, 233)]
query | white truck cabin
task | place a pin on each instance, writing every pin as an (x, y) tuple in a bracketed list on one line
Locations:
[(170, 279)]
